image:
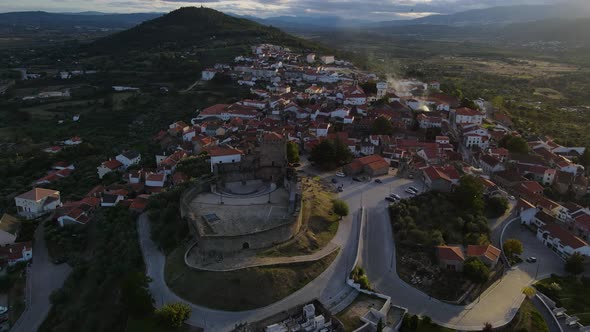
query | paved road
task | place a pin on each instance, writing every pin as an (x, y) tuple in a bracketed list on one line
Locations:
[(327, 285), (42, 279), (497, 305), (551, 323)]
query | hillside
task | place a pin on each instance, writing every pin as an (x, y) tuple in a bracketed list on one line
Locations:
[(200, 30)]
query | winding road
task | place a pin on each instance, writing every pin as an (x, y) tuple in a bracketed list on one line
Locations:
[(43, 277), (497, 305)]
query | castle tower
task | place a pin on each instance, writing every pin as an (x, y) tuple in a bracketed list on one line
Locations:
[(381, 89), (273, 150)]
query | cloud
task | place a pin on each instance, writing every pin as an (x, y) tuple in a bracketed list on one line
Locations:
[(348, 9), (192, 1)]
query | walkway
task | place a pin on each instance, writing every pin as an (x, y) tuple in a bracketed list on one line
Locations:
[(326, 286), (43, 277), (244, 261), (497, 305)]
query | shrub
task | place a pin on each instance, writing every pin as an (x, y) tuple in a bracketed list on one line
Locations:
[(173, 314), (476, 271)]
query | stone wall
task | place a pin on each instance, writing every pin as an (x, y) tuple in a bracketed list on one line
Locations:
[(255, 240)]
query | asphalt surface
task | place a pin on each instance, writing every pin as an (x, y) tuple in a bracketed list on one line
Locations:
[(43, 277), (497, 305), (330, 283), (547, 316)]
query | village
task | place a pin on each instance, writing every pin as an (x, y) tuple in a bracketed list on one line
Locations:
[(405, 127)]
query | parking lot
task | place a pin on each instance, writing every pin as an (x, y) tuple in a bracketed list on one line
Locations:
[(547, 261)]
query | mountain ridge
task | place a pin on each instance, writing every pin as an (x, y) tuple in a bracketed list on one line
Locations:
[(201, 30)]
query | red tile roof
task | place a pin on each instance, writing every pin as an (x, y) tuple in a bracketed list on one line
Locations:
[(450, 253), (37, 194), (112, 164), (489, 251), (566, 238), (223, 151)]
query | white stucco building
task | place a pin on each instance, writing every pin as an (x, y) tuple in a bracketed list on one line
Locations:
[(37, 202), (224, 155)]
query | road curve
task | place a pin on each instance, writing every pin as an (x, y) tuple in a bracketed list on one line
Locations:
[(324, 287)]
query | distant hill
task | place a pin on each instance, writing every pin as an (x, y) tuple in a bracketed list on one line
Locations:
[(199, 29), (501, 15), (45, 20), (303, 22), (564, 31)]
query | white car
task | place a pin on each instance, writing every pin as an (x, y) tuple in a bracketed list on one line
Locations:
[(410, 191), (340, 175), (396, 196), (413, 189)]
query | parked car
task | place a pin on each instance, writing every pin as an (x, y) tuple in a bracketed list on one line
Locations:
[(391, 199), (396, 196), (532, 259), (412, 188), (410, 191), (378, 181), (334, 180), (340, 189), (3, 310), (356, 179), (340, 175)]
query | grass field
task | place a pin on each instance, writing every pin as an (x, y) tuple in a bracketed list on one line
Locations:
[(548, 93), (528, 319), (570, 293), (240, 290), (319, 223)]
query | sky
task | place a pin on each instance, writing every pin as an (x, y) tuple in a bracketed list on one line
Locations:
[(374, 10)]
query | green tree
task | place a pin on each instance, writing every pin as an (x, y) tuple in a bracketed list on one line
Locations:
[(173, 314), (487, 327), (469, 193), (324, 154), (515, 144), (342, 152), (475, 270), (292, 152), (382, 126), (512, 247), (498, 102), (135, 294), (496, 206), (575, 264), (585, 158), (194, 166), (369, 87), (340, 208), (469, 104)]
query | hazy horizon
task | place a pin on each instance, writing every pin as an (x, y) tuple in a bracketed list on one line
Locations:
[(372, 10)]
